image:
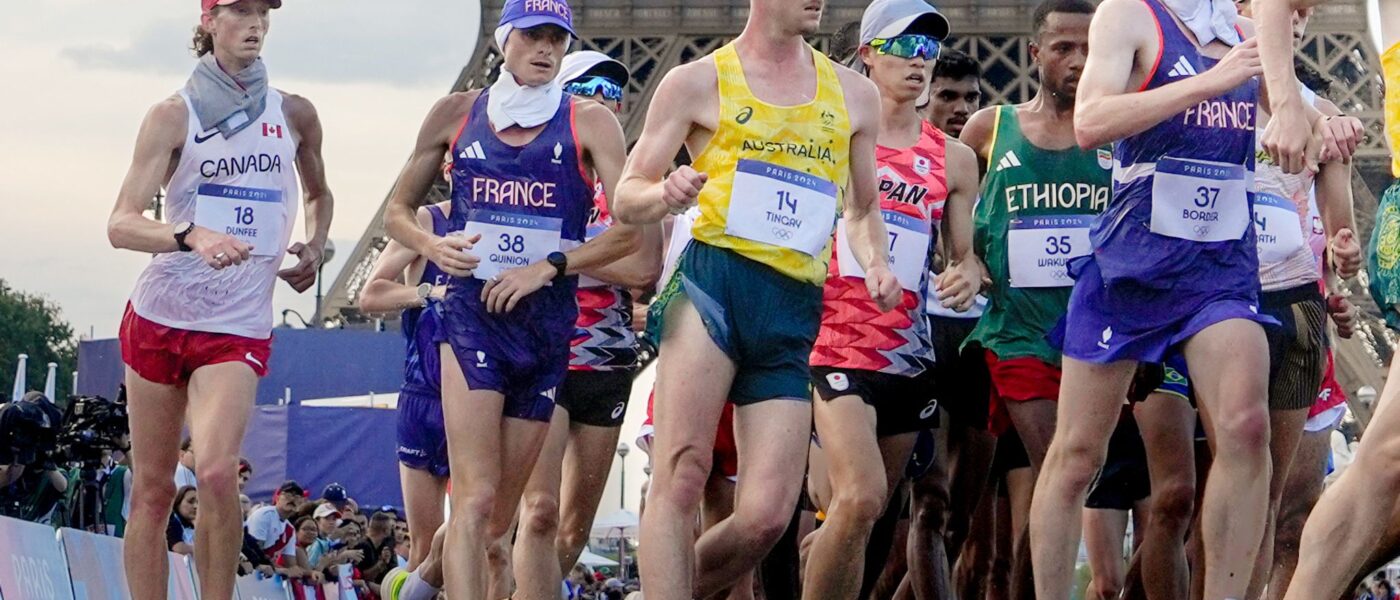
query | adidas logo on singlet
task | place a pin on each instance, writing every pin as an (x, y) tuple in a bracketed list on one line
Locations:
[(1007, 161), (474, 151), (1182, 68)]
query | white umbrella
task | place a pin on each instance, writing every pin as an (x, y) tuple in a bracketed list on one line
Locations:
[(622, 523), (590, 559)]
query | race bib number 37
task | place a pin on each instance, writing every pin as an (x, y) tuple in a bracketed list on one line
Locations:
[(255, 216), (909, 242), (781, 206), (510, 240), (1199, 201), (1039, 248)]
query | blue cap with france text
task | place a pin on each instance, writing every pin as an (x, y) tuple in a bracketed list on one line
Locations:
[(524, 14)]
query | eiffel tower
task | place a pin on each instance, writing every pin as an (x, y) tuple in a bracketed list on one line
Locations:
[(652, 36)]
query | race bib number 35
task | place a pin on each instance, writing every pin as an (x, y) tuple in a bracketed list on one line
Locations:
[(909, 239), (1277, 229), (1199, 201), (1039, 248), (781, 206), (255, 216), (510, 240)]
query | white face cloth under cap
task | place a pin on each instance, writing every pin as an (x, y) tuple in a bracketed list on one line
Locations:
[(510, 103), (1209, 20)]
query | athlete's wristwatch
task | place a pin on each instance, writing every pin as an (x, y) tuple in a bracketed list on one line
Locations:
[(182, 229), (424, 290), (560, 262)]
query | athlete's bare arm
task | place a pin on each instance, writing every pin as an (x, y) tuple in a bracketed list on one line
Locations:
[(978, 134), (605, 148), (959, 284), (1109, 109), (865, 226), (684, 111), (316, 195), (424, 166), (161, 138), (388, 288)]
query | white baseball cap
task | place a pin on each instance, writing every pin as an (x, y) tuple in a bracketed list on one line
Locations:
[(583, 62), (885, 19)]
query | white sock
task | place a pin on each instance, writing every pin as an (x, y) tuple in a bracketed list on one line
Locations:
[(417, 589)]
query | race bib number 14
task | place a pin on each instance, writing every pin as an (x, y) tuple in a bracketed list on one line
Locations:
[(255, 216), (781, 206)]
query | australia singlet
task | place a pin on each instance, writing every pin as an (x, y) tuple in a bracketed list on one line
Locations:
[(603, 337), (422, 326), (776, 173), (855, 333), (525, 202), (1036, 209), (1390, 66), (244, 186)]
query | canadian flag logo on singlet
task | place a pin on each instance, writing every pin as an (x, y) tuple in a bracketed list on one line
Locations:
[(272, 131)]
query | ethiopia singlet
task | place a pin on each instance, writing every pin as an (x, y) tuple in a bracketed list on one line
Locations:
[(422, 326), (1036, 209), (1180, 215), (1283, 218), (244, 186), (855, 333), (525, 202), (776, 173), (603, 337)]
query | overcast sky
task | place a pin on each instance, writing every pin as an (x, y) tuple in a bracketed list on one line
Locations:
[(79, 76)]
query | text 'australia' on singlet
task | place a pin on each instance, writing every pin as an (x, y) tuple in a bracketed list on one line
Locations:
[(422, 327), (1179, 218), (776, 173), (1036, 210), (525, 202), (1390, 66), (1283, 211), (603, 337), (246, 187), (855, 333)]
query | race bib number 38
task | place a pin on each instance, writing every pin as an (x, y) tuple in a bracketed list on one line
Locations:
[(1199, 201), (1039, 248), (781, 206), (510, 240), (909, 242), (255, 216)]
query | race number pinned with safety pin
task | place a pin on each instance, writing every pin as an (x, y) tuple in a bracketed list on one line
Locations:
[(1199, 201), (1040, 248), (254, 216), (781, 206), (510, 240), (909, 242)]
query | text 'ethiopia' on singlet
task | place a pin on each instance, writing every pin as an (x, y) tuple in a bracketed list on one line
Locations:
[(776, 173), (855, 333), (603, 337), (244, 186), (1036, 209)]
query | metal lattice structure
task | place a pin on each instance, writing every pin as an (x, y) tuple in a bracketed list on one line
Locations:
[(653, 36)]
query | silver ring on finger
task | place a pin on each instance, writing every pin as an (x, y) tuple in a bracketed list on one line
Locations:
[(220, 256)]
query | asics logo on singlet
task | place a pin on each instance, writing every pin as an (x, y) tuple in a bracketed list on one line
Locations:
[(1106, 337), (238, 165), (617, 410), (929, 410), (744, 115), (1007, 161), (473, 152), (1182, 68)]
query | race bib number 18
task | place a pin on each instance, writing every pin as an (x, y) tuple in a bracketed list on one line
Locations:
[(510, 240), (254, 216), (909, 241), (1039, 248), (1199, 201), (781, 206)]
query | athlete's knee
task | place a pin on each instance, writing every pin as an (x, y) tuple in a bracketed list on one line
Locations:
[(1242, 433), (539, 514), (1075, 462), (152, 495), (571, 537), (761, 527), (930, 511), (218, 479), (1173, 504), (861, 505), (683, 480), (472, 510)]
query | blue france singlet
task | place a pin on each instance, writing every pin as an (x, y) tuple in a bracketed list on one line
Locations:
[(525, 202), (422, 327)]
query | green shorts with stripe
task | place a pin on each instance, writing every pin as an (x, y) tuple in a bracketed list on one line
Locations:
[(763, 320)]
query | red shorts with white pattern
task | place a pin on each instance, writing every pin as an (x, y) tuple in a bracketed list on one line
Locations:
[(1019, 379), (726, 453), (169, 356)]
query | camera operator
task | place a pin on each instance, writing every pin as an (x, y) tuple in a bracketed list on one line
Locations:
[(30, 482)]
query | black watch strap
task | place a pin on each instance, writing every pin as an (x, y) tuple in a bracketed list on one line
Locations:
[(183, 230)]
